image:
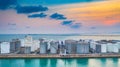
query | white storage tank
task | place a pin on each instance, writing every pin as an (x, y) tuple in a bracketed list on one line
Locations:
[(109, 47), (35, 45), (112, 48), (93, 44), (118, 43), (116, 48), (28, 41), (82, 47), (22, 42), (53, 47), (103, 48), (5, 47), (43, 47)]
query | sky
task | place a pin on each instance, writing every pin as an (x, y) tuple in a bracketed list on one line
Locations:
[(59, 16)]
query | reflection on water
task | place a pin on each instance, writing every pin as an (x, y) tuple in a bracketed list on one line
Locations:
[(82, 62)]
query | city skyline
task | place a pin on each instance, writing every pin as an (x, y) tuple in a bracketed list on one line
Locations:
[(59, 17)]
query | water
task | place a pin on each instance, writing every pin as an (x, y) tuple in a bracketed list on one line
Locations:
[(82, 62), (9, 37)]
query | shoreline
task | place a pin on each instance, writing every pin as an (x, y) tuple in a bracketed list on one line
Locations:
[(57, 56)]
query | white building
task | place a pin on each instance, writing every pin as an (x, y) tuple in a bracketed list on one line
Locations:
[(5, 47)]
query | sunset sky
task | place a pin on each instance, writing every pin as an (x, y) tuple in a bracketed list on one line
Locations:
[(59, 16)]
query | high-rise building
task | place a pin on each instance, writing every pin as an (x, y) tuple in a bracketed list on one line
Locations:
[(5, 47)]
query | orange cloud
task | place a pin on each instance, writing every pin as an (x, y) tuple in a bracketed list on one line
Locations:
[(105, 12)]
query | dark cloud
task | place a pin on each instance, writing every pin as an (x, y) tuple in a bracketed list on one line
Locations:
[(67, 22), (5, 4), (58, 16), (71, 24), (41, 15), (76, 25), (30, 9)]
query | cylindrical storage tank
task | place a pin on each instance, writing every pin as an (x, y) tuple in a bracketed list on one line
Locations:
[(118, 43), (53, 47), (98, 48), (5, 47), (35, 45), (103, 48), (109, 47), (43, 47), (115, 48)]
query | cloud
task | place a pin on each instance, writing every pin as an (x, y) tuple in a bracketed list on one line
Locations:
[(76, 25), (41, 15), (58, 16), (93, 28), (72, 25), (30, 9), (27, 27), (12, 24), (67, 22), (5, 4)]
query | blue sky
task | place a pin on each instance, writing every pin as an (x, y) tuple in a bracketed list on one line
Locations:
[(52, 2), (59, 16)]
